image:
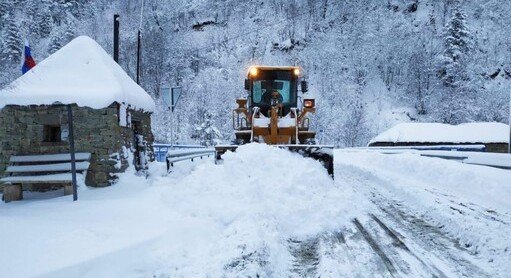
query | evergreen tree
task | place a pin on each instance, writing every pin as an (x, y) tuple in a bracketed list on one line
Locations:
[(207, 133), (456, 84), (12, 43), (5, 6), (55, 41), (44, 20), (69, 29)]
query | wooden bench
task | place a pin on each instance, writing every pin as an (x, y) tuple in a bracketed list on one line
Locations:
[(41, 169)]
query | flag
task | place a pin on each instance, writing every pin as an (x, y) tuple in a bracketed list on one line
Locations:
[(29, 61)]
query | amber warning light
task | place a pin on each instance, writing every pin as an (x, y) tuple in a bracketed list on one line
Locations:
[(308, 103)]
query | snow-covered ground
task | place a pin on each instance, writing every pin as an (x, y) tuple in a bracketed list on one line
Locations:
[(477, 132), (273, 213), (430, 201)]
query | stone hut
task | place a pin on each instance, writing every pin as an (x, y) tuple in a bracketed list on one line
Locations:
[(111, 113), (494, 136)]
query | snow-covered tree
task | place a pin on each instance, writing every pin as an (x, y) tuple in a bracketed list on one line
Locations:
[(12, 47), (55, 42), (43, 20), (206, 132), (5, 6), (456, 90)]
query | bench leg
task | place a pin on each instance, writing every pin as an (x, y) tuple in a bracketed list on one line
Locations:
[(68, 189), (13, 192)]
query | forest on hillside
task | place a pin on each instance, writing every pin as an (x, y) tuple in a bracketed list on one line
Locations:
[(369, 63)]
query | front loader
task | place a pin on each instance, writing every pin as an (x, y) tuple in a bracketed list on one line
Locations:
[(274, 114)]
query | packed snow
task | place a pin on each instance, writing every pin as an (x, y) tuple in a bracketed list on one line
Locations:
[(81, 72), (445, 133), (498, 160), (468, 202), (268, 212)]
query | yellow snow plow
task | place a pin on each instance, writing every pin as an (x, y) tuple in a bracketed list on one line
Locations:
[(273, 113)]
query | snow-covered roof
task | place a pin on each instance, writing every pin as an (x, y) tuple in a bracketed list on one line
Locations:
[(81, 72), (490, 132)]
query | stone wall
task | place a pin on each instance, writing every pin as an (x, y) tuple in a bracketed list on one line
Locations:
[(96, 131), (142, 121), (497, 147)]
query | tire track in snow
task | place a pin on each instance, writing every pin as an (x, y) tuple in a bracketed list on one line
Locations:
[(306, 257), (398, 243), (336, 258), (376, 248), (249, 264), (473, 209), (433, 246), (431, 239)]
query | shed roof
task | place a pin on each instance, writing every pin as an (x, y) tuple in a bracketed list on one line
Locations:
[(482, 132), (81, 72)]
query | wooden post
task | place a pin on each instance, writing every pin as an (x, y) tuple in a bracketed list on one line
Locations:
[(72, 150)]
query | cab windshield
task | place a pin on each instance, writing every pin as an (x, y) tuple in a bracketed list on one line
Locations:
[(269, 81)]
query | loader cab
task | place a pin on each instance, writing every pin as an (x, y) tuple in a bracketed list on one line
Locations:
[(269, 86)]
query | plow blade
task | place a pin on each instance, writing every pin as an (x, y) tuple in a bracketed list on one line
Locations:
[(321, 153)]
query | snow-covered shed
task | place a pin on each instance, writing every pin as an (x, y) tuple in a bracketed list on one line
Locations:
[(495, 136), (112, 114)]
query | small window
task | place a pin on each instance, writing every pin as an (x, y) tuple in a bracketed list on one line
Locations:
[(51, 133)]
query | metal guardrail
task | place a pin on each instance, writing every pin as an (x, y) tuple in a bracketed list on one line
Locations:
[(496, 160), (160, 150), (464, 148), (180, 155)]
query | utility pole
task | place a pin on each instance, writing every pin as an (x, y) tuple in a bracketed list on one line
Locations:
[(116, 38), (171, 126), (138, 57), (139, 42)]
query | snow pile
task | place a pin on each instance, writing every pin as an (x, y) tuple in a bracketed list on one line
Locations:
[(443, 133), (81, 72), (257, 200), (203, 220)]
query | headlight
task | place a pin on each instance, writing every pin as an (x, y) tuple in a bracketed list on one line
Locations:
[(296, 71), (308, 103), (253, 71)]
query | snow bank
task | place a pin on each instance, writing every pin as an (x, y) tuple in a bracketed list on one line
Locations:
[(81, 72), (443, 133), (257, 200), (207, 220), (486, 186)]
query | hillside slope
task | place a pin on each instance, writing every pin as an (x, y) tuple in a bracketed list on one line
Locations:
[(370, 64)]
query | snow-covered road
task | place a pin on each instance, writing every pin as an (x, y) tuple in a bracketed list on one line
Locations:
[(272, 213), (430, 217)]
